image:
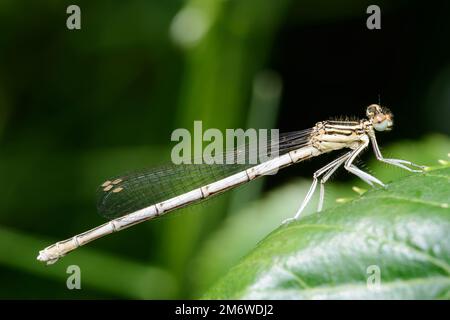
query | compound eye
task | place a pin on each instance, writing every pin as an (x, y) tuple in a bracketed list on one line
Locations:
[(384, 125), (372, 110)]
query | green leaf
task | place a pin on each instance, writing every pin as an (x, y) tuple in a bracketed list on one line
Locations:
[(400, 234)]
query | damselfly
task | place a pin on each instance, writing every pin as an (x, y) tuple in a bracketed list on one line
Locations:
[(140, 196)]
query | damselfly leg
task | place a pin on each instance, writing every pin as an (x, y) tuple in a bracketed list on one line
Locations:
[(395, 162), (350, 167), (326, 173), (327, 176)]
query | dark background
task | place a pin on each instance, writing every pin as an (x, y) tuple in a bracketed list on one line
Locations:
[(78, 106)]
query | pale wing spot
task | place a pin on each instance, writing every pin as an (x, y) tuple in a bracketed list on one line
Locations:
[(107, 188), (106, 183), (117, 190), (117, 181)]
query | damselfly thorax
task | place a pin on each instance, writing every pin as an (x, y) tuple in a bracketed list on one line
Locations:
[(335, 135)]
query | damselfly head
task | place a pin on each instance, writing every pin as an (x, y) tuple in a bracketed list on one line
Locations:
[(381, 118)]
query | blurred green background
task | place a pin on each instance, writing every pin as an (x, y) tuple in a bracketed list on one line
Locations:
[(79, 106)]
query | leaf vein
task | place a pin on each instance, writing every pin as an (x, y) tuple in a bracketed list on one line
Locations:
[(412, 200), (295, 276)]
